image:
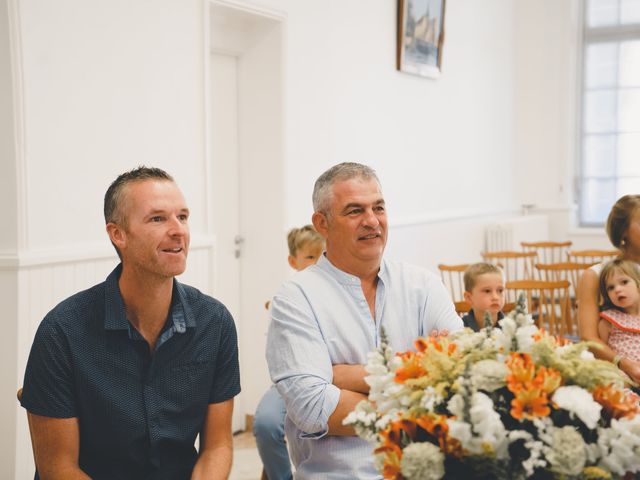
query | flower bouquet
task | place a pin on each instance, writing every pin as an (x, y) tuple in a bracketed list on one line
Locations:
[(504, 403)]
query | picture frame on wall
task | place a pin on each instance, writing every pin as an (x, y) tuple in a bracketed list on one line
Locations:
[(420, 37)]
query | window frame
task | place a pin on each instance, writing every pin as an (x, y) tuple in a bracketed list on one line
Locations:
[(588, 36)]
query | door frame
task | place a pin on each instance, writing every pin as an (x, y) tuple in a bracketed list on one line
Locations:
[(255, 36)]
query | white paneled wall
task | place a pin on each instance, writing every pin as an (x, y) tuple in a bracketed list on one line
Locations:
[(46, 281)]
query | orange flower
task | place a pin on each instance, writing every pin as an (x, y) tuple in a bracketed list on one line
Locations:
[(530, 403), (391, 463), (616, 402), (548, 379), (437, 426), (522, 371), (411, 367), (421, 344), (392, 438)]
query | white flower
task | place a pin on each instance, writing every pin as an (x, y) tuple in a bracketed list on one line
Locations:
[(456, 405), (430, 399), (587, 355), (467, 341), (422, 461), (460, 431), (620, 445), (579, 402), (567, 451), (508, 326), (524, 337), (488, 375), (534, 447), (363, 418), (487, 425)]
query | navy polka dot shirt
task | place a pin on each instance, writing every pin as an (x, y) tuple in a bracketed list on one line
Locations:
[(139, 414)]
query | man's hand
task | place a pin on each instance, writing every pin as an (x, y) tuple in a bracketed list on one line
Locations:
[(439, 333), (350, 377)]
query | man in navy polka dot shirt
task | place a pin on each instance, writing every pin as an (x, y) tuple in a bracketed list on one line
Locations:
[(123, 376)]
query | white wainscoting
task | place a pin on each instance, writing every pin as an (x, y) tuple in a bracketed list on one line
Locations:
[(47, 278)]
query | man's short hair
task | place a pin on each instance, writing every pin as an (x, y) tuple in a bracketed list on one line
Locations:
[(474, 270), (113, 199), (113, 212), (298, 238), (322, 190)]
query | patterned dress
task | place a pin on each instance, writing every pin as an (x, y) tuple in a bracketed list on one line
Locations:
[(624, 337)]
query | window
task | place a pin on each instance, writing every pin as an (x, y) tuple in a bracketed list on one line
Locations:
[(610, 124)]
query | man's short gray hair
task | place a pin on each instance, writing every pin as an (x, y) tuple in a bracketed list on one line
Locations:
[(322, 190)]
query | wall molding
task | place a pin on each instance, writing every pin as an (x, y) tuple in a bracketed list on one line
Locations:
[(17, 94), (78, 253)]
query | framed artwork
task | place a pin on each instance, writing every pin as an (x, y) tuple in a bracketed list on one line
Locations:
[(420, 37)]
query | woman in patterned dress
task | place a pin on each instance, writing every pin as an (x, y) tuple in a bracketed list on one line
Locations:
[(623, 230)]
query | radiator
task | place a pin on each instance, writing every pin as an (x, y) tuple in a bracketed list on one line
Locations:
[(507, 234)]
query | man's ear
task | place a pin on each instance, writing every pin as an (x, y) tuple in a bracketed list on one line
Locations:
[(292, 262), (320, 223), (117, 235)]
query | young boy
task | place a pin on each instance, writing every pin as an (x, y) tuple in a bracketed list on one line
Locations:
[(484, 290), (305, 247)]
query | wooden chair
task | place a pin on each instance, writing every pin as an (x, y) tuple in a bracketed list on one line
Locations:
[(592, 257), (453, 279), (555, 272), (548, 252), (553, 311), (515, 265)]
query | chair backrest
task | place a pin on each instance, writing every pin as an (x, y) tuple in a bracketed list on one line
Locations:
[(453, 279), (555, 272), (592, 257), (462, 307), (550, 305), (548, 252), (515, 265)]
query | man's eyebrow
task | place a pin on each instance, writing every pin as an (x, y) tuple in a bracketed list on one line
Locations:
[(359, 205), (156, 211)]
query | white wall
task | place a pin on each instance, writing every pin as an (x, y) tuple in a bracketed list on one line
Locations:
[(109, 85), (346, 102), (548, 43)]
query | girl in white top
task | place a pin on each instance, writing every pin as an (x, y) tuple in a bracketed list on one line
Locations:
[(620, 319), (623, 229)]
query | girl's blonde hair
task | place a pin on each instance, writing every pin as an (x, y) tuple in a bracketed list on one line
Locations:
[(298, 238), (626, 267)]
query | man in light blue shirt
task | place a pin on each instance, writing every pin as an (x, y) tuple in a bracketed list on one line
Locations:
[(328, 317)]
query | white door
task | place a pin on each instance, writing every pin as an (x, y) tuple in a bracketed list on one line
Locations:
[(225, 195)]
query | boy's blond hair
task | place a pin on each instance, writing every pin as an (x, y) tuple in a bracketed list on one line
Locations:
[(474, 270), (626, 267), (298, 238)]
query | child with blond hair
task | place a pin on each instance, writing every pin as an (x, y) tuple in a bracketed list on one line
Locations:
[(484, 291), (305, 247), (619, 324)]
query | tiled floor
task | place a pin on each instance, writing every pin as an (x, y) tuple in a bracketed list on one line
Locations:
[(246, 461)]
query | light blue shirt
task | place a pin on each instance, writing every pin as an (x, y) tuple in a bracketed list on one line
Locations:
[(321, 318)]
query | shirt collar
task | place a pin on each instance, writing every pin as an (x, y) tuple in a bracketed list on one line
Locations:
[(346, 278), (115, 317)]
